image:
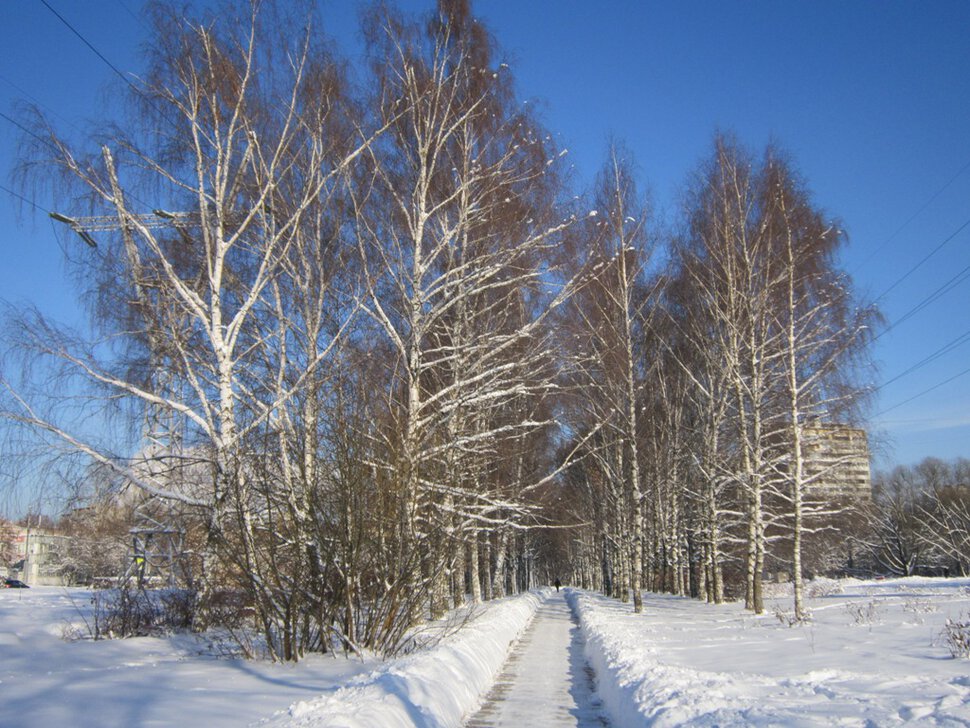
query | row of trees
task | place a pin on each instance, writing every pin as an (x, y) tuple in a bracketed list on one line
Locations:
[(717, 375), (921, 522), (331, 342), (373, 357)]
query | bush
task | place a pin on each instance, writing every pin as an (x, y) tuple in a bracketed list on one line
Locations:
[(919, 607), (956, 636), (789, 618), (818, 588), (863, 614), (126, 612)]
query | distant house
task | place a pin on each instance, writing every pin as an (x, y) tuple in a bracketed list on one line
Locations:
[(837, 463)]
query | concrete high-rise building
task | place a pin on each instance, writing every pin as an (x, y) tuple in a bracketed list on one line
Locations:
[(837, 463)]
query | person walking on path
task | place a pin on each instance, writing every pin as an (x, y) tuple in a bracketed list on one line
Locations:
[(558, 583)]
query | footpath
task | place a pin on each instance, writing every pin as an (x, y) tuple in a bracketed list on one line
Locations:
[(546, 680)]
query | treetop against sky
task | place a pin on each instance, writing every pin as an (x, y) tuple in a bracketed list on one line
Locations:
[(869, 98)]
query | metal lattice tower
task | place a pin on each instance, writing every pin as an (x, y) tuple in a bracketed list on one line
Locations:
[(158, 546)]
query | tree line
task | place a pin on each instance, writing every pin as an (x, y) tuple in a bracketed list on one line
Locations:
[(354, 332), (921, 520)]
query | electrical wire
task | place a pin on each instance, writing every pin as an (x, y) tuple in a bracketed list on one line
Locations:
[(37, 102), (138, 19), (29, 132), (925, 258), (942, 351), (949, 285), (954, 281), (24, 199), (51, 146), (932, 297), (925, 391), (912, 217), (108, 63), (94, 50)]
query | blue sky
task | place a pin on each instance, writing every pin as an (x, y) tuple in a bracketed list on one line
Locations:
[(872, 100)]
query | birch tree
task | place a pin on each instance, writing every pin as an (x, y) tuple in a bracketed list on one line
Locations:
[(758, 297), (611, 307), (453, 241), (233, 146), (823, 333), (729, 236)]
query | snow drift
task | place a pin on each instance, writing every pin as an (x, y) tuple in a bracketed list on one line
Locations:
[(434, 688), (872, 654)]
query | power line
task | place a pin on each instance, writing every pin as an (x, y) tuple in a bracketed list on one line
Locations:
[(52, 146), (925, 391), (37, 102), (933, 296), (30, 132), (138, 19), (925, 258), (24, 199), (94, 50), (943, 350), (912, 217), (949, 285), (108, 63), (54, 217)]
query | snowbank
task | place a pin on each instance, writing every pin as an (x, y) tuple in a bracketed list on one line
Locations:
[(618, 661), (436, 688), (872, 654)]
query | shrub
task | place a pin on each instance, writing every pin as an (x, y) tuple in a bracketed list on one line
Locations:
[(863, 614), (956, 636), (818, 588), (918, 607), (790, 619), (127, 612)]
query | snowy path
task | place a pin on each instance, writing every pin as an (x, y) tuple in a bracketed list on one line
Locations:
[(546, 680)]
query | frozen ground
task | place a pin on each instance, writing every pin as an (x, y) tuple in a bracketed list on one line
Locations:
[(46, 681), (871, 656)]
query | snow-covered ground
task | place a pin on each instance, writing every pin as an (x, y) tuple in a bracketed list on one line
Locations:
[(872, 655), (180, 680), (436, 688), (175, 681)]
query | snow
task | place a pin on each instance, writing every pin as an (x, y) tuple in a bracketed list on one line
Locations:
[(433, 688), (47, 681), (871, 655), (545, 681)]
